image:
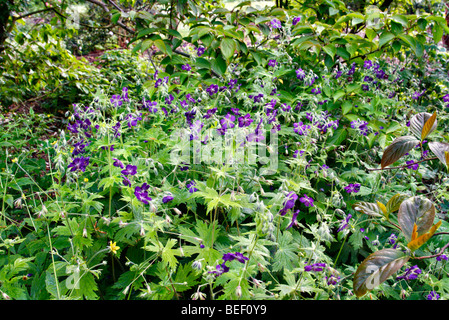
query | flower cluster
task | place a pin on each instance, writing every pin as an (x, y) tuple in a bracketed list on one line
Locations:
[(316, 267), (361, 126), (352, 188), (410, 273), (79, 163), (223, 268), (345, 223), (307, 201), (141, 193)]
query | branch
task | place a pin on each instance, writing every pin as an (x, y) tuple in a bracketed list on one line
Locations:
[(105, 8), (30, 14), (402, 167), (434, 255)]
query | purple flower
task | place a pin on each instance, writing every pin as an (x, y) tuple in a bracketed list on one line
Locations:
[(150, 105), (301, 128), (296, 20), (289, 202), (392, 240), (169, 99), (367, 64), (191, 186), (352, 70), (442, 257), (129, 170), (257, 97), (79, 163), (125, 94), (132, 120), (200, 51), (417, 94), (332, 280), (158, 83), (245, 120), (223, 268), (345, 223), (300, 74), (167, 199), (116, 100), (220, 269), (126, 181), (141, 193), (228, 121), (298, 152), (307, 201), (316, 90), (352, 188), (362, 126), (209, 113), (316, 267), (117, 163), (433, 296), (186, 67), (446, 98), (212, 89), (276, 24), (410, 273), (78, 148), (116, 129), (293, 222), (412, 165), (271, 63)]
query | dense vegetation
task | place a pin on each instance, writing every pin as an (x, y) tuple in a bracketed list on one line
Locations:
[(247, 150)]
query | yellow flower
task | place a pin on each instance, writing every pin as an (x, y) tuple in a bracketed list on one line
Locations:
[(113, 247), (14, 160), (86, 180)]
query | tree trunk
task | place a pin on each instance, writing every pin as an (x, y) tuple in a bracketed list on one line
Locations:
[(446, 37), (385, 5), (4, 18)]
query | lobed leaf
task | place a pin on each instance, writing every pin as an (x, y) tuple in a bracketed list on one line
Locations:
[(399, 147), (377, 268)]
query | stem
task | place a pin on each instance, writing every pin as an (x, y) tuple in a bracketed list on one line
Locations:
[(401, 167)]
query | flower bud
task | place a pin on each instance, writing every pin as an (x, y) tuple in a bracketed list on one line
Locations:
[(238, 291)]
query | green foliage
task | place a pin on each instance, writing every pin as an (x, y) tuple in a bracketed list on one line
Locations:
[(152, 189)]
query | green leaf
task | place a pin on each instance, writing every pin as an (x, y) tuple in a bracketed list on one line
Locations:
[(377, 268), (437, 33), (418, 122), (228, 47), (346, 107), (385, 37), (330, 50), (416, 210), (399, 147), (400, 19), (219, 65), (342, 52)]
